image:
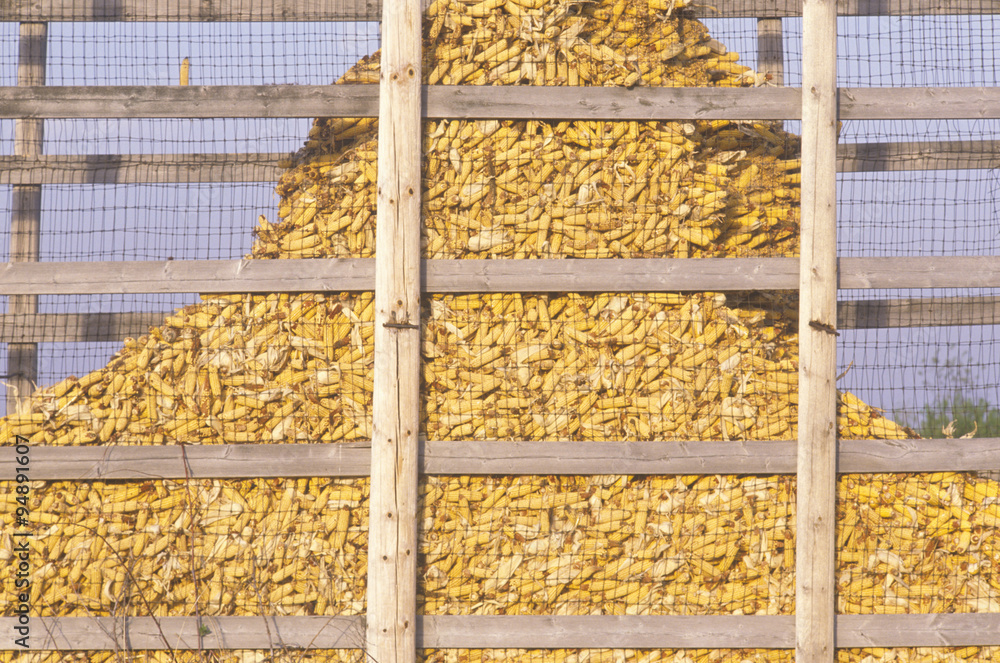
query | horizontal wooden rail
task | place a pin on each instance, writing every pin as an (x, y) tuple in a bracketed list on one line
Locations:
[(370, 10), (500, 632), (75, 327), (141, 168), (862, 314), (182, 633), (916, 155), (511, 102), (263, 167), (473, 276), (918, 312), (226, 461)]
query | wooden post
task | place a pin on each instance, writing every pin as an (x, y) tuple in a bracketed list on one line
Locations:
[(392, 533), (815, 558), (26, 208), (770, 50)]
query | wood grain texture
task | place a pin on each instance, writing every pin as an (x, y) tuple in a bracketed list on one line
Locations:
[(936, 630), (484, 102), (141, 168), (182, 633), (26, 211), (501, 457), (75, 327), (816, 476), (453, 631), (859, 314), (927, 155), (369, 10), (605, 631), (452, 276), (918, 312), (190, 101), (190, 10), (392, 531), (919, 272), (216, 461), (204, 276)]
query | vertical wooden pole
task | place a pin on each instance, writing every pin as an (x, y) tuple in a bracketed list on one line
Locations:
[(392, 533), (815, 600), (25, 223), (770, 50)]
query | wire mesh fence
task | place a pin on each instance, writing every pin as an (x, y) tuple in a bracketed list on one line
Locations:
[(618, 365)]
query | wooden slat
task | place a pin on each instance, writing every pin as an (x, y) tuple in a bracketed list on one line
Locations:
[(190, 101), (919, 103), (141, 168), (861, 314), (935, 630), (598, 275), (75, 327), (190, 10), (929, 155), (862, 456), (369, 10), (453, 276), (605, 631), (917, 312), (182, 633), (188, 276), (217, 461), (479, 102), (480, 631), (391, 596), (920, 272), (563, 457), (26, 211), (262, 167), (771, 50), (816, 474), (499, 458)]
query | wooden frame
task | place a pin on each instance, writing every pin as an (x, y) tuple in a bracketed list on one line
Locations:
[(523, 102), (484, 458)]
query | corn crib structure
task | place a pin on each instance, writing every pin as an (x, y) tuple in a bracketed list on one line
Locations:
[(536, 361)]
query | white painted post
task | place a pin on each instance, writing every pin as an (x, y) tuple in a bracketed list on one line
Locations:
[(815, 600), (392, 533)]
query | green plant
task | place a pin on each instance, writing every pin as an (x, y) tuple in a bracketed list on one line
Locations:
[(970, 416)]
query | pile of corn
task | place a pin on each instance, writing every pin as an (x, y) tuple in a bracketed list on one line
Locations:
[(606, 366)]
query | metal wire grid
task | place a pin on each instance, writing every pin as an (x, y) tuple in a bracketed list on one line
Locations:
[(193, 547), (228, 369), (611, 366)]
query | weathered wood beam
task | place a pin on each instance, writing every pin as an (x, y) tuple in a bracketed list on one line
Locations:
[(487, 101), (262, 167), (353, 459), (370, 10), (816, 473), (917, 312), (492, 631), (391, 597), (458, 276), (141, 168), (915, 156), (186, 633), (859, 314)]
